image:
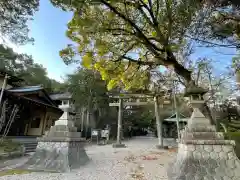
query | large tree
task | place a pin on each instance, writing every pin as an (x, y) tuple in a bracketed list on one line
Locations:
[(222, 27), (145, 33), (14, 15), (89, 93), (85, 84), (13, 62)]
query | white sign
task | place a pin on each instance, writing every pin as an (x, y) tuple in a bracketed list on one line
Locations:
[(94, 133), (105, 133)]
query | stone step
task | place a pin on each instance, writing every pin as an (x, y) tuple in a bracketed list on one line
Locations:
[(30, 147), (202, 135), (200, 128), (207, 142)]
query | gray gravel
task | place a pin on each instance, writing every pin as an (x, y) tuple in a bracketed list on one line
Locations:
[(139, 161)]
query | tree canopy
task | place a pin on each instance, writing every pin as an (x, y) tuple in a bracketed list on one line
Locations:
[(23, 66), (14, 15), (122, 38), (86, 83)]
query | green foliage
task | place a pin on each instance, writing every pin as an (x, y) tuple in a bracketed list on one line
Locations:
[(236, 63), (13, 172), (141, 117), (236, 137), (22, 66), (108, 34), (13, 62), (14, 16), (85, 84), (223, 24)]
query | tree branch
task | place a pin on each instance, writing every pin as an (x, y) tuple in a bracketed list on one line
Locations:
[(212, 43), (139, 62), (150, 45)]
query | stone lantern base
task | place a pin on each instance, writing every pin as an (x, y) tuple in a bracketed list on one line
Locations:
[(203, 154), (205, 160), (58, 151)]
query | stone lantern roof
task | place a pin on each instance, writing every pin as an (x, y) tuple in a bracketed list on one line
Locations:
[(194, 90)]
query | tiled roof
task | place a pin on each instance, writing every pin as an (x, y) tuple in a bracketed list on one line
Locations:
[(29, 100), (30, 89), (26, 89)]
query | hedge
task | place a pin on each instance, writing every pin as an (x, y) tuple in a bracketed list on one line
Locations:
[(236, 137)]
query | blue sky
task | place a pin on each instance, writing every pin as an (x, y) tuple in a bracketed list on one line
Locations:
[(48, 29), (49, 26)]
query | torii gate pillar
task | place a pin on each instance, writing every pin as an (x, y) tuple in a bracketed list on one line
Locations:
[(119, 144)]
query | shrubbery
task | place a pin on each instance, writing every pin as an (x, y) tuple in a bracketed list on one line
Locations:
[(7, 145), (236, 137)]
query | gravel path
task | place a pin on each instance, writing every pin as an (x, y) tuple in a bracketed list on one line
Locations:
[(139, 161)]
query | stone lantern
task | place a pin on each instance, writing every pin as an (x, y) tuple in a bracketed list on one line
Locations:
[(203, 153), (62, 148), (195, 95)]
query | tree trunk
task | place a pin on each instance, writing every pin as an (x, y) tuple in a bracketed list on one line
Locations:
[(178, 68)]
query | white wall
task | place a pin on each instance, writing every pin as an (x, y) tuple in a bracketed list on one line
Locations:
[(36, 131)]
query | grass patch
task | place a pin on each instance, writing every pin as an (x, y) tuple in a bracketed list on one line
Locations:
[(13, 172), (233, 125), (7, 145)]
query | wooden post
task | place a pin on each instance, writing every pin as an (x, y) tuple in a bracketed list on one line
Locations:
[(119, 131), (158, 122)]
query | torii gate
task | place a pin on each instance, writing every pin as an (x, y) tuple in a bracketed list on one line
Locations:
[(158, 101)]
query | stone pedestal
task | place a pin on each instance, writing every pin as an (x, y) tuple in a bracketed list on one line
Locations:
[(161, 147), (55, 155), (118, 145), (203, 154), (60, 149)]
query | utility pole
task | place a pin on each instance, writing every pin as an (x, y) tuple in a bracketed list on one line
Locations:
[(3, 87)]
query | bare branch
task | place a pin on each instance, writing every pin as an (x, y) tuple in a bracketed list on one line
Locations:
[(212, 43)]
